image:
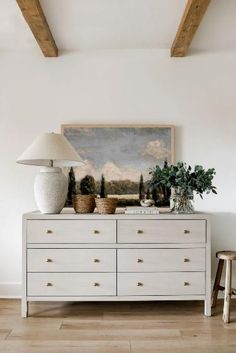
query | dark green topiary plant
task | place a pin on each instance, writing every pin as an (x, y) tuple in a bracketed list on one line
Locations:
[(87, 185)]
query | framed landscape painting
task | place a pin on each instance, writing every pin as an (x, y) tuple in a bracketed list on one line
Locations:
[(122, 156)]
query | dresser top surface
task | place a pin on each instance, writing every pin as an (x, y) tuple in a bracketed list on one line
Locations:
[(69, 213)]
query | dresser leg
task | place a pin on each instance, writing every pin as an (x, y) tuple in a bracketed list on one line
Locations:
[(24, 308), (207, 307)]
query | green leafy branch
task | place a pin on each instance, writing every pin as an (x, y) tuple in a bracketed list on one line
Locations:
[(184, 178)]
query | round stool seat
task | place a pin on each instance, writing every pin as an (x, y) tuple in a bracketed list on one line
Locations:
[(226, 255)]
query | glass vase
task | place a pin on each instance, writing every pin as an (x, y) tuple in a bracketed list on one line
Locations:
[(182, 202)]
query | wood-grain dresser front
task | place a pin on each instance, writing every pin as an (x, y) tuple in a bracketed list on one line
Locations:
[(72, 257)]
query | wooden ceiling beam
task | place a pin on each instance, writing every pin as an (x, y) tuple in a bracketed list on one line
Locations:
[(193, 14), (34, 16)]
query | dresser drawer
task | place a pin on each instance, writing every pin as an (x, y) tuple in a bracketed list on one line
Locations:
[(159, 260), (71, 231), (166, 283), (71, 284), (161, 231), (71, 260)]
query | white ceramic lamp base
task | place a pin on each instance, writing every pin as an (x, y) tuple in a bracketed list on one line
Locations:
[(50, 190)]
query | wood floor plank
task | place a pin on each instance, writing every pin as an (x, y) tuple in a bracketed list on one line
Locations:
[(62, 310), (83, 315), (78, 324), (141, 327), (11, 302), (7, 322), (4, 333), (152, 315), (89, 334), (10, 310), (180, 346), (218, 334), (64, 346)]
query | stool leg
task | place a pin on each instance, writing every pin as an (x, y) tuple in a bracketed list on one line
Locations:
[(217, 283), (228, 290)]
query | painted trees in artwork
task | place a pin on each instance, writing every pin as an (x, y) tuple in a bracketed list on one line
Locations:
[(155, 196), (103, 193), (71, 188), (148, 194), (141, 188), (161, 194)]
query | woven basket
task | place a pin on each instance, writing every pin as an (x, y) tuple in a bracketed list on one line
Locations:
[(84, 203), (106, 205)]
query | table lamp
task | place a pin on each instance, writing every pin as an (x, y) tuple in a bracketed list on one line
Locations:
[(51, 151)]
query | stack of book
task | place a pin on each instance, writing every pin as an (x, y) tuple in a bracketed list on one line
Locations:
[(141, 210)]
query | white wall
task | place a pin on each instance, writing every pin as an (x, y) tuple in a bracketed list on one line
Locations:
[(197, 94)]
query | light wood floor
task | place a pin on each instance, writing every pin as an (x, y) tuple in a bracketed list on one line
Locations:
[(168, 327)]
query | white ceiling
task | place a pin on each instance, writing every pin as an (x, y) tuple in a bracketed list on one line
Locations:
[(119, 24)]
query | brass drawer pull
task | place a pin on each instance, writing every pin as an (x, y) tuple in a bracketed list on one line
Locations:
[(140, 284), (49, 284), (140, 260), (49, 231), (139, 231), (186, 259), (186, 231), (96, 231), (186, 284), (96, 260), (49, 260), (96, 284)]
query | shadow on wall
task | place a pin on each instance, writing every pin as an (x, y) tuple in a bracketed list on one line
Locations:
[(223, 234)]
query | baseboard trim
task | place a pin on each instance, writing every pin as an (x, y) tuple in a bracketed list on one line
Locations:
[(10, 290)]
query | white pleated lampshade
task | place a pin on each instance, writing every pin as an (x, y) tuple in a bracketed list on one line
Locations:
[(50, 147)]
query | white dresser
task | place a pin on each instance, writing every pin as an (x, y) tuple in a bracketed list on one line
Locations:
[(117, 257)]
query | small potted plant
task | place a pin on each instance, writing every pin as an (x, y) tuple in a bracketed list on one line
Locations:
[(104, 204), (184, 181), (85, 202)]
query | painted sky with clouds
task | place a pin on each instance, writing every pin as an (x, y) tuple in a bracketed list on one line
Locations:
[(120, 153)]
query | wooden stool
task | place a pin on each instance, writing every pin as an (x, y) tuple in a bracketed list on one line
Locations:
[(227, 256)]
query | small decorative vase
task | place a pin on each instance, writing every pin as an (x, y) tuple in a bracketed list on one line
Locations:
[(182, 202)]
